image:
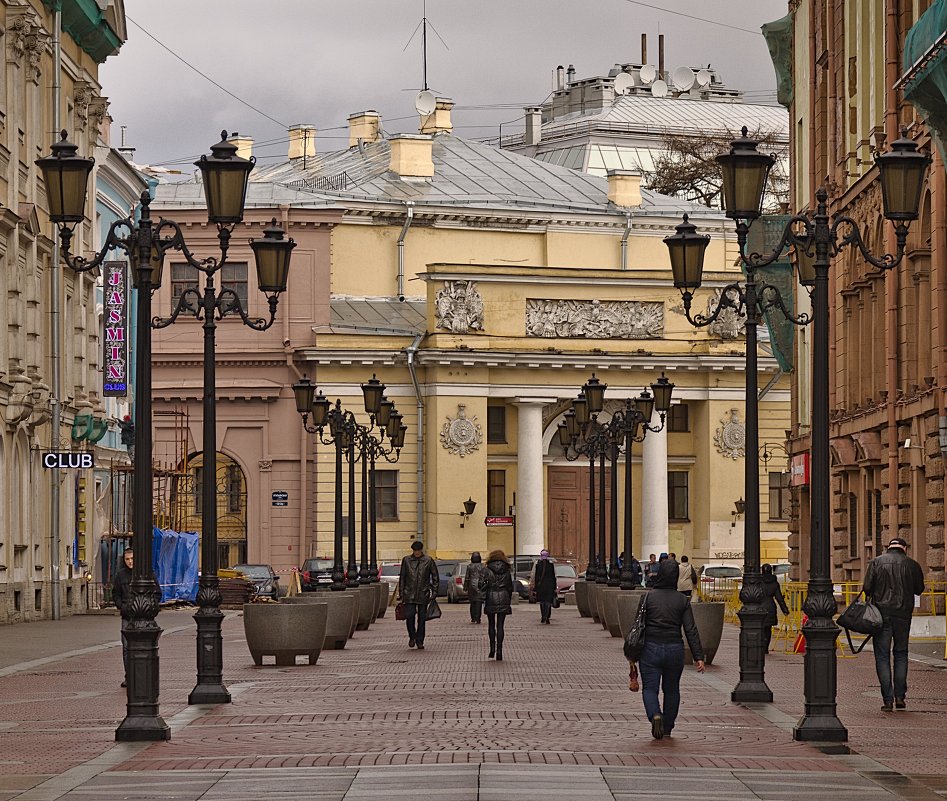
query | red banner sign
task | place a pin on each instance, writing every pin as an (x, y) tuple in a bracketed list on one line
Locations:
[(498, 521), (799, 470)]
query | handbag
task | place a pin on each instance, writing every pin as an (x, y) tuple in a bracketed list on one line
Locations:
[(399, 611), (433, 610), (862, 617), (634, 641)]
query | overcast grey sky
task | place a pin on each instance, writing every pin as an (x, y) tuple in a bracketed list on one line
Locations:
[(317, 61)]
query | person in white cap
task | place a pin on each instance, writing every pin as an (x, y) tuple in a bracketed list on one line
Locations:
[(892, 581)]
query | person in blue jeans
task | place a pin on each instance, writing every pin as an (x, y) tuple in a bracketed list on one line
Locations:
[(662, 661), (892, 581)]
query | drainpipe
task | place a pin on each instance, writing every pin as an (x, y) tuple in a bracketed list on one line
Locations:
[(409, 216), (624, 241), (55, 336), (411, 352)]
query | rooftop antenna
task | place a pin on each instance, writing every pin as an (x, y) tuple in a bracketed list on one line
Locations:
[(423, 25)]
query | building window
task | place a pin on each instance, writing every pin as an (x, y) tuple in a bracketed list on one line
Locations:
[(677, 495), (496, 493), (678, 422), (779, 496), (852, 524), (233, 276), (386, 494), (496, 424), (234, 489)]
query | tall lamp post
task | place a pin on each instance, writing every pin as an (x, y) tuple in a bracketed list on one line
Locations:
[(816, 239), (272, 259), (145, 243)]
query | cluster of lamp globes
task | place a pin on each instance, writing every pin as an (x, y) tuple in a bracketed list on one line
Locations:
[(381, 410), (745, 172), (225, 176)]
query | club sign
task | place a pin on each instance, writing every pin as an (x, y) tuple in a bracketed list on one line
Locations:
[(115, 361)]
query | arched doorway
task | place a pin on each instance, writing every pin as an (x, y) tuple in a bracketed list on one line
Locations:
[(231, 505)]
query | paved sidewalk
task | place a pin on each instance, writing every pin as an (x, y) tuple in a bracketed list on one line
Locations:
[(380, 719)]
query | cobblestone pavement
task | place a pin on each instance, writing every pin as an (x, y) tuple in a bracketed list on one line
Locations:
[(382, 720)]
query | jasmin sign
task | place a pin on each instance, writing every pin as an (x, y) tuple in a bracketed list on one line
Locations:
[(115, 362)]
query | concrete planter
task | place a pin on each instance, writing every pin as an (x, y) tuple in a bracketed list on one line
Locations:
[(610, 610), (628, 603), (594, 590), (285, 631), (340, 611), (582, 598), (600, 604), (382, 589), (366, 606), (709, 619)]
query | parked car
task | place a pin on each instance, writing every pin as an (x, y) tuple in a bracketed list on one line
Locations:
[(523, 568), (264, 578), (716, 580), (389, 573), (445, 567), (455, 584), (316, 574), (781, 571), (566, 578)]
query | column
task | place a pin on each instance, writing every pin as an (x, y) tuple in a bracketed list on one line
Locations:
[(654, 491), (530, 530)]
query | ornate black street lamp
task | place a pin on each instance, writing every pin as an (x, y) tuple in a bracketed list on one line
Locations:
[(816, 239), (146, 243)]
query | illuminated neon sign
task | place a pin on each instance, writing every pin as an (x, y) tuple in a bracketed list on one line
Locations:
[(115, 361)]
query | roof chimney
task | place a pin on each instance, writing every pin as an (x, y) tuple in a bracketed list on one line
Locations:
[(244, 145), (560, 77), (534, 125), (570, 75), (644, 49), (412, 155), (364, 125), (661, 56), (438, 121), (624, 187), (302, 141)]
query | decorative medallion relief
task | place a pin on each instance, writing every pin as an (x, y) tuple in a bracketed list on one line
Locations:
[(458, 307), (595, 319), (461, 435), (730, 438), (729, 325)]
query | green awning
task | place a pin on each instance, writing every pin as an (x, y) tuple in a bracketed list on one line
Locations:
[(778, 35), (764, 235), (925, 70)]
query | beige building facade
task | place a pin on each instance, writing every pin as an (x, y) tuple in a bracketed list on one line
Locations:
[(483, 288)]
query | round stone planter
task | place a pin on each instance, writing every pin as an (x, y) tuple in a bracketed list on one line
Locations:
[(709, 619), (594, 590), (600, 604), (285, 631), (338, 618), (382, 589), (367, 596), (610, 610), (582, 598), (628, 603)]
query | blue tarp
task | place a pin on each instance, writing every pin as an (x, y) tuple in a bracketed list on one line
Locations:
[(174, 556)]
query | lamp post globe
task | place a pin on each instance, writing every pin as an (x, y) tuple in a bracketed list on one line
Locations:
[(66, 177), (745, 171), (272, 255), (225, 176)]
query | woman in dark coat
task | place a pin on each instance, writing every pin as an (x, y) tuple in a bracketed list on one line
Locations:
[(544, 585), (772, 595), (474, 585), (662, 661), (497, 600)]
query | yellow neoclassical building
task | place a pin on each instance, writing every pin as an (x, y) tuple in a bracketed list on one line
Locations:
[(484, 288)]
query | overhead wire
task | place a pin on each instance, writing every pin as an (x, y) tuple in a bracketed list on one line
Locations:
[(692, 16)]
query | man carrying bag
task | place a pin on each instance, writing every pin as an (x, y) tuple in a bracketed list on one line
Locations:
[(892, 581), (417, 589)]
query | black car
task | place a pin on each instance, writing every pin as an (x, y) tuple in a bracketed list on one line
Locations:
[(264, 578), (316, 574)]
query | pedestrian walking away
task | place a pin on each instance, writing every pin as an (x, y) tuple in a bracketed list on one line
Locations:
[(121, 593), (475, 582), (772, 595), (497, 603), (892, 581), (417, 585), (662, 659), (543, 584), (687, 577)]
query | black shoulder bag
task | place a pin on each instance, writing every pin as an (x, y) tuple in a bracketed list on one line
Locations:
[(862, 617), (634, 642)]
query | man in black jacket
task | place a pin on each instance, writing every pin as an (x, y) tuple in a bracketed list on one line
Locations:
[(121, 593), (892, 581), (417, 585)]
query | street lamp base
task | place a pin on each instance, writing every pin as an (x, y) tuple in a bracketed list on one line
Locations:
[(747, 692), (142, 729), (820, 728), (209, 694)]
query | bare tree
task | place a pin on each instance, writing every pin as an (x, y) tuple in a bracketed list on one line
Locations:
[(688, 167)]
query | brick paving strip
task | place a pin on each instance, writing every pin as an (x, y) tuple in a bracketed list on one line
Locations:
[(554, 716)]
